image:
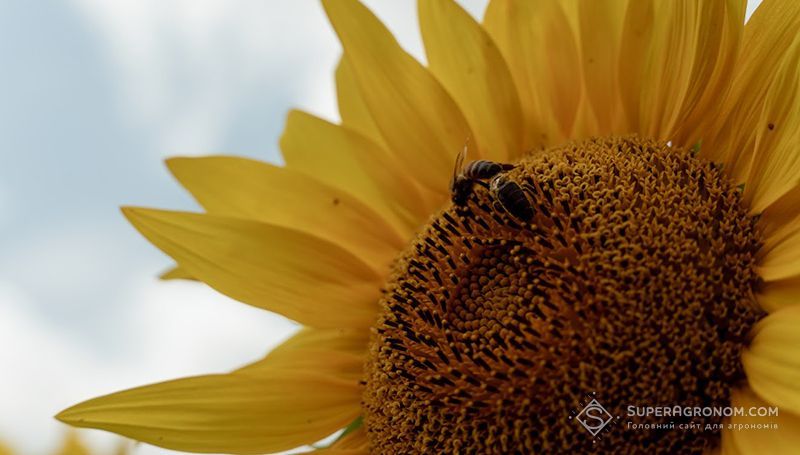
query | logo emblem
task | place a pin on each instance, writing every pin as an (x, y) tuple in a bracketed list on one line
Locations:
[(594, 417)]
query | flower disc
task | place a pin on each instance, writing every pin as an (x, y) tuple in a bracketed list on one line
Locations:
[(633, 279)]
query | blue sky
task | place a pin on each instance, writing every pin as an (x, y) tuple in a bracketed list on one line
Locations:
[(93, 95)]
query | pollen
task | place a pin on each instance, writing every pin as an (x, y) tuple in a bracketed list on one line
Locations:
[(632, 282)]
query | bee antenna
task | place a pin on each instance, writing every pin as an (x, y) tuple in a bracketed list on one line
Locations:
[(459, 162)]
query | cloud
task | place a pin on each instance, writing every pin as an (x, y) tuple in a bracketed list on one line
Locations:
[(56, 262), (38, 377), (182, 327), (185, 66), (5, 207)]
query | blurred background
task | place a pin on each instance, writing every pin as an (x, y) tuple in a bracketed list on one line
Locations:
[(94, 94)]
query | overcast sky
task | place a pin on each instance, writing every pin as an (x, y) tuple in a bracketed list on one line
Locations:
[(93, 95)]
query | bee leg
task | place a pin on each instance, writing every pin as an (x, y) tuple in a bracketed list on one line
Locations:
[(530, 189), (498, 207)]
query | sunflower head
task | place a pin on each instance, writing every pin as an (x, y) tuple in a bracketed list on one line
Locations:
[(626, 228), (634, 277)]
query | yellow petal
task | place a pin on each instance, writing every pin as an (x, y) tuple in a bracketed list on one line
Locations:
[(353, 443), (779, 258), (476, 75), (772, 361), (244, 188), (767, 36), (781, 293), (176, 273), (352, 108), (417, 118), (775, 169), (344, 159), (600, 31), (302, 277), (5, 450), (72, 445), (782, 260), (353, 341), (637, 33), (123, 447), (541, 51), (340, 352), (364, 451), (781, 219), (727, 444), (717, 48), (251, 412), (676, 61), (741, 440)]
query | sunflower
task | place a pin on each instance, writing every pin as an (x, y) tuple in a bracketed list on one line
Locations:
[(627, 228)]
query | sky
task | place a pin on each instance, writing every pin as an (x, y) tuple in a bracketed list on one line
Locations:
[(94, 94)]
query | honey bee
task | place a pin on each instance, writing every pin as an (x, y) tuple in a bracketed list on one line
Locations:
[(511, 197), (478, 171)]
